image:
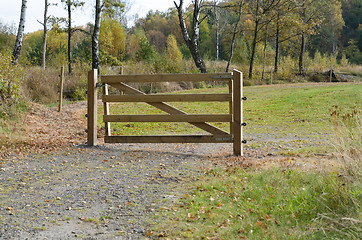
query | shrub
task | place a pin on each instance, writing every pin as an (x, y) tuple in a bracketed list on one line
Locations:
[(173, 55), (10, 96)]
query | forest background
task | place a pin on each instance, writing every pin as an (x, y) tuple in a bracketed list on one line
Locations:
[(271, 40)]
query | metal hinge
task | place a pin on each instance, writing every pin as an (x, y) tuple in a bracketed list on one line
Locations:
[(222, 77)]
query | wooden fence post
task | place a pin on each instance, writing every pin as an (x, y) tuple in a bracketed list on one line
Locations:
[(92, 107), (61, 88), (237, 112)]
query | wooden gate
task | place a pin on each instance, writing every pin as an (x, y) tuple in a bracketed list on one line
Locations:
[(202, 121)]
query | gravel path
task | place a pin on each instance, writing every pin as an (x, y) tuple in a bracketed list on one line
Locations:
[(103, 192), (55, 187)]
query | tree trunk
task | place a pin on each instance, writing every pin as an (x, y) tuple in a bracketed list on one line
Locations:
[(69, 37), (217, 17), (233, 39), (265, 45), (301, 55), (19, 37), (333, 40), (95, 36), (193, 41), (253, 47), (276, 46), (44, 47)]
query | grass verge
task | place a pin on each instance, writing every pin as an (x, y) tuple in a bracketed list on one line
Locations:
[(264, 204)]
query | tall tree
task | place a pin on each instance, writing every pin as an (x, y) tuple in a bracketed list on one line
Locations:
[(70, 4), (19, 37), (261, 11), (264, 50), (285, 26), (236, 26), (112, 9), (192, 40), (217, 21), (311, 14), (45, 27), (46, 18), (95, 36)]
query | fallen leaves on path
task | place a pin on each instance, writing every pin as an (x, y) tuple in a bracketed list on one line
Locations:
[(48, 130)]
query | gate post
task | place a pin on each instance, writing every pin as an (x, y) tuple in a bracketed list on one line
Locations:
[(92, 108), (237, 112)]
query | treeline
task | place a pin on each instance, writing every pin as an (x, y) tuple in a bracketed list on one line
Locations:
[(260, 35)]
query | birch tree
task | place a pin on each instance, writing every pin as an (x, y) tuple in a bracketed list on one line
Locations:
[(217, 21), (95, 36), (112, 8), (19, 37), (192, 39)]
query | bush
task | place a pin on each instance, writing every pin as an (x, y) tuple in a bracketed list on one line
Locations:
[(10, 95)]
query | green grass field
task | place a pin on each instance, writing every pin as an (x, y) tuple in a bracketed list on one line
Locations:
[(287, 119)]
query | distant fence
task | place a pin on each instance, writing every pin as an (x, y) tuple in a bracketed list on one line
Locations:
[(202, 121)]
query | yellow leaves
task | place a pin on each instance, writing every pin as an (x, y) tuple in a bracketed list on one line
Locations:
[(149, 233), (261, 224), (112, 38)]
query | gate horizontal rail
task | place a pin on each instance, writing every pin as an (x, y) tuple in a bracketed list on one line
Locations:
[(199, 77), (169, 98), (169, 118), (169, 139), (216, 135)]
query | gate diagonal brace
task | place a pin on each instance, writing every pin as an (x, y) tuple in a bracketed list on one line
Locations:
[(169, 109)]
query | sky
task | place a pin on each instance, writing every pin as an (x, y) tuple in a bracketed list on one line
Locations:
[(10, 11)]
